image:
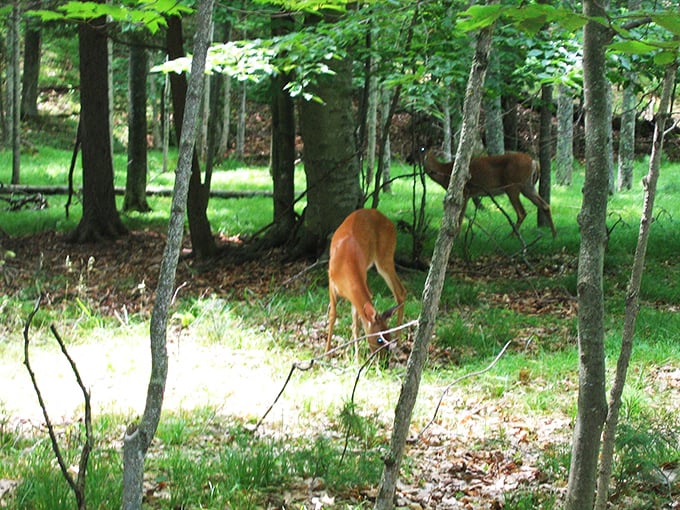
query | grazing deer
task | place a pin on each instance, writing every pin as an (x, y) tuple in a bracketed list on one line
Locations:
[(366, 237), (511, 173)]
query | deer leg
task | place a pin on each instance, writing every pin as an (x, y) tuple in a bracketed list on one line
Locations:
[(355, 333), (538, 201), (389, 274), (331, 318), (519, 209)]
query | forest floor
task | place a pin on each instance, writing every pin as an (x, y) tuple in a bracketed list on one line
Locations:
[(477, 454)]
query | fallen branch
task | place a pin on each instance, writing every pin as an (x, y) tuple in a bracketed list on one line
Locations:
[(160, 192)]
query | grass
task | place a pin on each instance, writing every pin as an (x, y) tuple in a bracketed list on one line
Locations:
[(204, 457)]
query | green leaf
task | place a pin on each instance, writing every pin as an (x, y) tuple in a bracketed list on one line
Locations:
[(479, 16), (632, 47), (669, 21), (664, 58)]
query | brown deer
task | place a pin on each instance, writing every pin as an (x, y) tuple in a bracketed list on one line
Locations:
[(511, 173), (366, 237)]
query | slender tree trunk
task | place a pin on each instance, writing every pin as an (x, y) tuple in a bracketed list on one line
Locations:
[(156, 113), (545, 153), (226, 107), (564, 157), (138, 437), (14, 86), (627, 137), (135, 185), (202, 241), (371, 123), (510, 123), (592, 401), (29, 82), (493, 117), (633, 292), (241, 125), (447, 128), (610, 140), (435, 279), (385, 99)]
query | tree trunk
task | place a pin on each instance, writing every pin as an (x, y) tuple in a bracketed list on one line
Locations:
[(385, 98), (282, 145), (610, 140), (564, 157), (100, 218), (545, 153), (592, 401), (29, 82), (138, 437), (493, 122), (633, 291), (241, 124), (435, 280), (627, 137), (14, 86), (330, 158), (202, 241), (135, 186), (510, 123), (226, 107), (371, 124)]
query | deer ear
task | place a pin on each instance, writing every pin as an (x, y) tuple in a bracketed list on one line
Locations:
[(370, 312), (390, 312)]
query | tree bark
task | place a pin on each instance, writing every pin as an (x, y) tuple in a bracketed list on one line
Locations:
[(29, 81), (627, 137), (100, 219), (545, 153), (450, 227), (282, 145), (510, 123), (330, 158), (633, 292), (202, 241), (226, 106), (564, 156), (14, 86), (135, 186), (138, 437), (241, 124), (592, 402)]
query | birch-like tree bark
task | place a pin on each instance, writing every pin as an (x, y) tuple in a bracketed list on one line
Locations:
[(545, 153), (450, 227), (564, 150), (138, 437), (241, 125), (627, 131), (592, 400), (633, 292)]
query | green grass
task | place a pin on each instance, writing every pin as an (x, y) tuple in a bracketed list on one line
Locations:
[(204, 459)]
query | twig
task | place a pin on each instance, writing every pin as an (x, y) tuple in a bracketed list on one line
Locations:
[(308, 364), (78, 486), (456, 381), (305, 271)]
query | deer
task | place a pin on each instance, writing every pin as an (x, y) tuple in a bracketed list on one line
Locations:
[(365, 238), (512, 173)]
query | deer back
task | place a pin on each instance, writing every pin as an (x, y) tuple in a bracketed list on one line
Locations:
[(499, 174)]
